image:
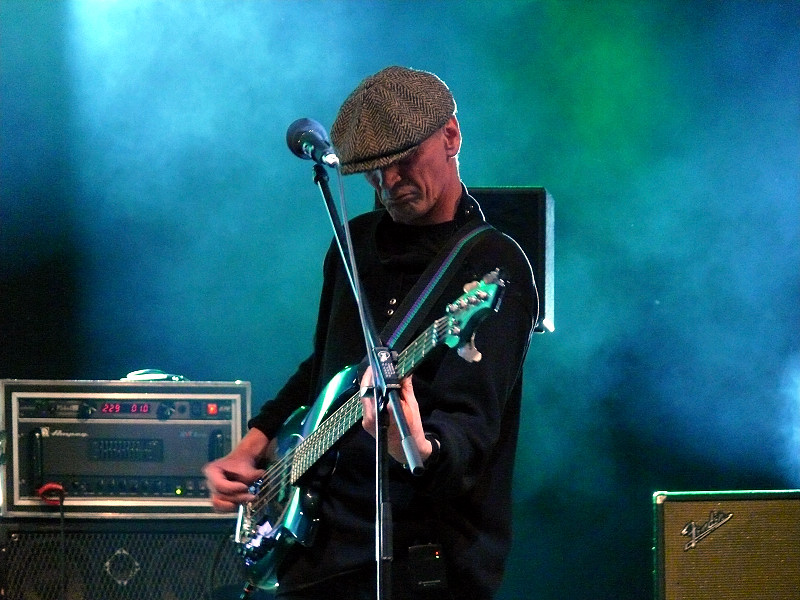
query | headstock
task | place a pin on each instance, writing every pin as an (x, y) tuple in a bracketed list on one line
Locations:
[(469, 310)]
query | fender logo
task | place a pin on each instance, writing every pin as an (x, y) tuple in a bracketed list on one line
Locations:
[(695, 532)]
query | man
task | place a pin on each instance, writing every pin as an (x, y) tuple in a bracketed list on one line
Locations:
[(399, 129)]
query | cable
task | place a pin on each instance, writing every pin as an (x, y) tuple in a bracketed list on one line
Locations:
[(53, 494)]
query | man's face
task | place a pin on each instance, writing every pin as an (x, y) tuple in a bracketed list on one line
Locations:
[(418, 190)]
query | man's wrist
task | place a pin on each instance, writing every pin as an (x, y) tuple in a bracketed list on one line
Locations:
[(436, 447), (429, 452)]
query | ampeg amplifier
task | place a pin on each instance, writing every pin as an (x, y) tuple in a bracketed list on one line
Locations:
[(123, 448)]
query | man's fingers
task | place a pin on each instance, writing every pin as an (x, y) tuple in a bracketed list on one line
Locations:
[(367, 389), (367, 393), (223, 506)]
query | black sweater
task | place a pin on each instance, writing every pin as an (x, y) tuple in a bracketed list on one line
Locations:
[(463, 499)]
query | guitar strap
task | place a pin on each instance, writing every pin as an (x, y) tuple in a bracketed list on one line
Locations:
[(418, 302)]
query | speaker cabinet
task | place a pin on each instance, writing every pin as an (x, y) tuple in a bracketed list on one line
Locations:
[(727, 545), (119, 560), (527, 214)]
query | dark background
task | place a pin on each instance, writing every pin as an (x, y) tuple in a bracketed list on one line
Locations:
[(152, 216)]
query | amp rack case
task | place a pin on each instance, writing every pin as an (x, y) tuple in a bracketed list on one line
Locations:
[(120, 448)]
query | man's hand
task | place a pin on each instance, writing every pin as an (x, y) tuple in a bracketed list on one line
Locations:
[(229, 478), (408, 402)]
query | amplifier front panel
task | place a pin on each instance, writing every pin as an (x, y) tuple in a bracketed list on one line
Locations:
[(117, 447)]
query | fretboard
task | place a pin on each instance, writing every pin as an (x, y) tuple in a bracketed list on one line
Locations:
[(310, 450)]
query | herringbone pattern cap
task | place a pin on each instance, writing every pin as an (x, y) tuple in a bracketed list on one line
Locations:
[(387, 116)]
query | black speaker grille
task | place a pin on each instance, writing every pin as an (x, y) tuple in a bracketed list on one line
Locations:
[(119, 566)]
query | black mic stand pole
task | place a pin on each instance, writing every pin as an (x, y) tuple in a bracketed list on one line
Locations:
[(386, 385)]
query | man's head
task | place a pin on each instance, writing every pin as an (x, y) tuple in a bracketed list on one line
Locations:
[(398, 127)]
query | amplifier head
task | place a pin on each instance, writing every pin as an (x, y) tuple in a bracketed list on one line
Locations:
[(127, 448)]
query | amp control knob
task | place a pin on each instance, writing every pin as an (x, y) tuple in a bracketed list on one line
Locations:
[(165, 410), (86, 410)]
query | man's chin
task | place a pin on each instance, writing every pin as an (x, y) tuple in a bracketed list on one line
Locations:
[(405, 213)]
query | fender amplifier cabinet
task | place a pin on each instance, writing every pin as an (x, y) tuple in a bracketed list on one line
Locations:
[(727, 545), (122, 448)]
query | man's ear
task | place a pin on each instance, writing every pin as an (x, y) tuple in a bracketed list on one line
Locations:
[(452, 136)]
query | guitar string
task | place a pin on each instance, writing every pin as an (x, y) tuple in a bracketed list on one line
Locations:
[(304, 454), (309, 451), (342, 420), (339, 422), (315, 445)]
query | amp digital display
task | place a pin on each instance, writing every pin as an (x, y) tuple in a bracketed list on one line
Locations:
[(125, 408)]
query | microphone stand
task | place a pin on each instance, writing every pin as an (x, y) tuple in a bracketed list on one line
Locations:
[(386, 388)]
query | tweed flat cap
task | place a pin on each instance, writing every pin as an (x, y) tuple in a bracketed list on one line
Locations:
[(387, 116)]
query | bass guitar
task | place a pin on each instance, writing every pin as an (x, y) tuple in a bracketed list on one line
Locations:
[(283, 511)]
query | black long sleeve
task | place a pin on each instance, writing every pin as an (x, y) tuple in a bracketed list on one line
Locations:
[(463, 500)]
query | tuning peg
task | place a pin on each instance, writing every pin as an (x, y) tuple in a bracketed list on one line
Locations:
[(492, 277), (468, 287)]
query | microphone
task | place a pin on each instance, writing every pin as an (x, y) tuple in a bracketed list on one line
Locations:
[(308, 139)]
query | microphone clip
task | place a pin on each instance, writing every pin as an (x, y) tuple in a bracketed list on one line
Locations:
[(387, 379)]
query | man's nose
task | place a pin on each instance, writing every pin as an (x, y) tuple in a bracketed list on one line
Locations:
[(389, 176)]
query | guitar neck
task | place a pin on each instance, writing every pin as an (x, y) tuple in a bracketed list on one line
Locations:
[(310, 450)]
